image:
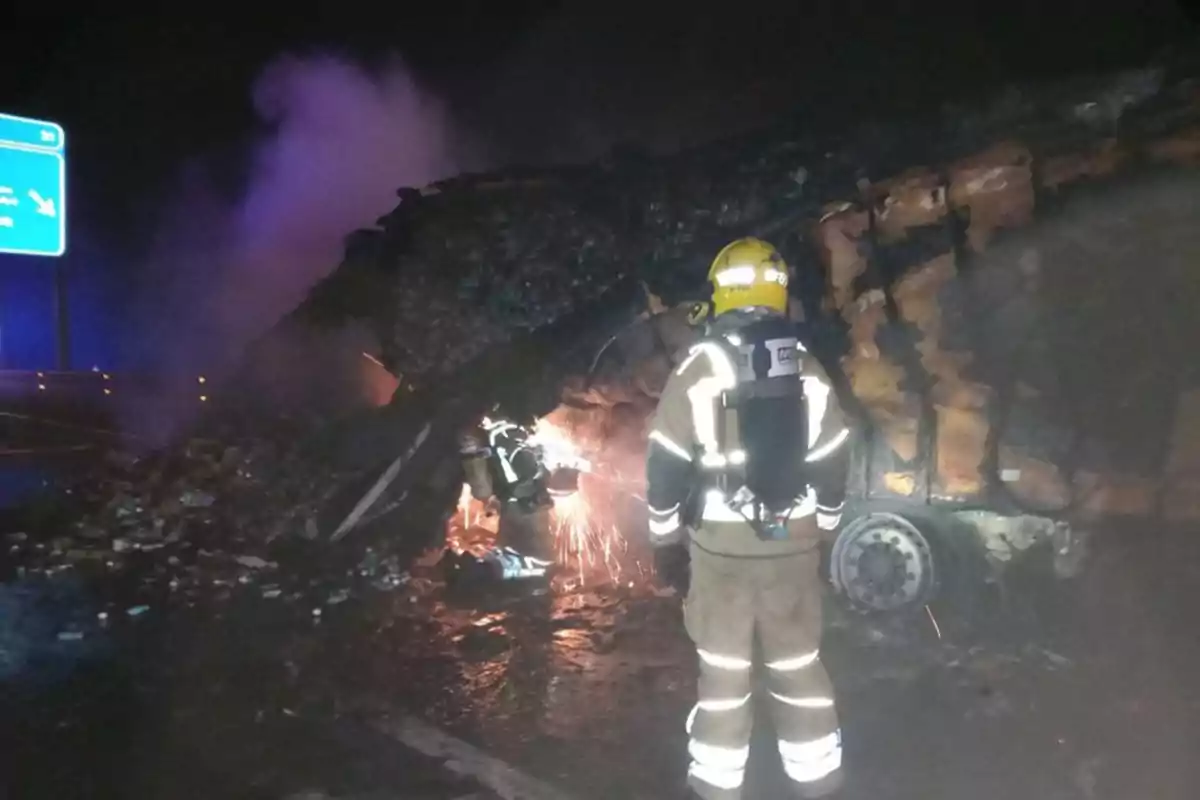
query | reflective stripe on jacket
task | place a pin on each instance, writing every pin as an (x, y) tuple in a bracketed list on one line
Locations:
[(683, 445)]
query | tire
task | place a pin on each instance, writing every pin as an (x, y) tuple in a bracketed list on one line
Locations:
[(885, 561)]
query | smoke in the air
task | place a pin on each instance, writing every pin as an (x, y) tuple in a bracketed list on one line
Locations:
[(338, 142)]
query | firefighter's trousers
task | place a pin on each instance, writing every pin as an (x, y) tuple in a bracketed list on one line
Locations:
[(730, 601), (527, 530)]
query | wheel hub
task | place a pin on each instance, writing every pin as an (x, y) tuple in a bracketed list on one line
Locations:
[(883, 562)]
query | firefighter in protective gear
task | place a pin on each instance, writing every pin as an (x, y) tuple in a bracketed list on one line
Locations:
[(510, 464), (742, 430), (503, 465)]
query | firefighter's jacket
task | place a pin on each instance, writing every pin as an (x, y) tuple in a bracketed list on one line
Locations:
[(500, 459), (683, 445)]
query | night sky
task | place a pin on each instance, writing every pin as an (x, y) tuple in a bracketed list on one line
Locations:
[(181, 78), (145, 97), (138, 91)]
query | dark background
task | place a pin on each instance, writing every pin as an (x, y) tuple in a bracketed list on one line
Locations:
[(138, 90), (142, 92)]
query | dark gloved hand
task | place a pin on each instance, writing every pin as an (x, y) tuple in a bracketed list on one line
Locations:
[(672, 567)]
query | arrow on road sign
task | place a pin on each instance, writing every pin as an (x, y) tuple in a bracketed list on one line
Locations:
[(45, 207)]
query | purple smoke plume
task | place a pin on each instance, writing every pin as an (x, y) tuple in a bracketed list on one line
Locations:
[(341, 141)]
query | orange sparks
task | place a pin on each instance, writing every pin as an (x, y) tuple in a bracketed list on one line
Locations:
[(585, 539)]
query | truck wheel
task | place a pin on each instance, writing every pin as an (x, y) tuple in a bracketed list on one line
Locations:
[(882, 561)]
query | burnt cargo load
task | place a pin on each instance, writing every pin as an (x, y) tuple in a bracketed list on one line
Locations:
[(1002, 296)]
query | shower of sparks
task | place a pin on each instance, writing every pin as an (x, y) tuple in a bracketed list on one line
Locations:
[(588, 542), (585, 539)]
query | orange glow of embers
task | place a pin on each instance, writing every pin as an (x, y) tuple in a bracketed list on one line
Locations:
[(474, 525), (377, 384)]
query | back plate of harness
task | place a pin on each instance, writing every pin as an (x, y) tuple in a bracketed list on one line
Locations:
[(515, 466), (772, 423)]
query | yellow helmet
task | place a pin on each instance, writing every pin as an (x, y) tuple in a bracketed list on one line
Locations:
[(748, 273)]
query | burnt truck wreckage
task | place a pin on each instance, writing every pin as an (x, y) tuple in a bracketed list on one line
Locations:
[(967, 309), (1003, 298)]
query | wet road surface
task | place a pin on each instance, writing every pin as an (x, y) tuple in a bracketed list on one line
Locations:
[(1045, 690)]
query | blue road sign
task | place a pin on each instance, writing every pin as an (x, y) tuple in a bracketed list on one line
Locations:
[(33, 187)]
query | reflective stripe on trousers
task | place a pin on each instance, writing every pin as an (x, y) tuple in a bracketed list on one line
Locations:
[(729, 600), (664, 521)]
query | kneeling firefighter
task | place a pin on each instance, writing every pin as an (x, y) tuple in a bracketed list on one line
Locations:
[(506, 464), (739, 437)]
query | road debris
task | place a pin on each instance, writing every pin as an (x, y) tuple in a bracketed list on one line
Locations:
[(254, 562)]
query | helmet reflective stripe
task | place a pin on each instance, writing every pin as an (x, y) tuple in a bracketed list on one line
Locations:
[(748, 273), (742, 275), (778, 276)]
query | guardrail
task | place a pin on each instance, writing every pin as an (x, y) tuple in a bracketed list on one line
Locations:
[(91, 384)]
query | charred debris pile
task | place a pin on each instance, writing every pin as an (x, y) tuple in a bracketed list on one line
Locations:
[(501, 287), (465, 266)]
